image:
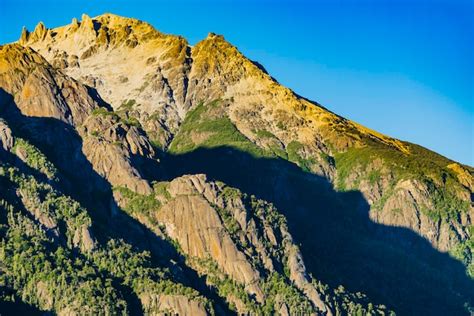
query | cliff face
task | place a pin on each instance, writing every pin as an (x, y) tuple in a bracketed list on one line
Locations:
[(233, 240), (32, 88), (217, 188)]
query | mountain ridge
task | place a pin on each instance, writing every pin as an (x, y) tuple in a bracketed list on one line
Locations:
[(138, 115), (212, 43)]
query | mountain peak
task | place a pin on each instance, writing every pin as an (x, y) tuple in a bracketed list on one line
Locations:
[(86, 22), (39, 32), (215, 36), (111, 38), (134, 124), (115, 18), (106, 29), (24, 35)]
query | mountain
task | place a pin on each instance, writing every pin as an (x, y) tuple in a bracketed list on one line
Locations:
[(142, 175)]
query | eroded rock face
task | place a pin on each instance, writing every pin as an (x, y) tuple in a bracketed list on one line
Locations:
[(6, 138), (110, 146), (213, 222), (426, 204), (83, 238), (408, 207), (171, 304), (153, 75), (192, 221), (32, 204), (39, 90)]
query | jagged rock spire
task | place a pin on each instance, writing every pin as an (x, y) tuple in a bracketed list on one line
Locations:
[(40, 29), (39, 33), (24, 35), (86, 22), (74, 24)]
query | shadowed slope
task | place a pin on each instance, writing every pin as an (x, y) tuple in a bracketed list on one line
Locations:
[(340, 244)]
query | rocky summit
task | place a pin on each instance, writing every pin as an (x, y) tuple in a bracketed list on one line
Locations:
[(142, 175)]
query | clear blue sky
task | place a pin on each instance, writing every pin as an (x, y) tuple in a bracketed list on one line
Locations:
[(404, 68)]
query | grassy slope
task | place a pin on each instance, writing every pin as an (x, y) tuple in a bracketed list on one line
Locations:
[(219, 131), (421, 165)]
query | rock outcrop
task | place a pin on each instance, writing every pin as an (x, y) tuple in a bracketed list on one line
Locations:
[(196, 225), (210, 221), (176, 304), (6, 138), (31, 85)]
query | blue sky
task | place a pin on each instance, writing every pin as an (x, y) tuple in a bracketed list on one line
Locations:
[(404, 68)]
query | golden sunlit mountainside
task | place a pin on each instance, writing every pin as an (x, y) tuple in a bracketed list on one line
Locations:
[(142, 175)]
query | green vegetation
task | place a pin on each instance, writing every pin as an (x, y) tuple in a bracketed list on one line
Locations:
[(161, 189), (226, 288), (45, 267), (103, 277), (120, 260), (346, 303), (261, 133), (214, 130), (293, 149), (281, 126), (127, 105), (266, 212), (229, 221), (229, 192), (49, 276), (41, 267), (35, 159), (464, 251), (44, 260), (132, 121), (380, 164), (327, 158), (374, 176), (56, 209), (138, 203), (420, 164), (277, 288), (275, 147), (276, 285), (120, 115), (104, 112), (278, 151), (446, 206)]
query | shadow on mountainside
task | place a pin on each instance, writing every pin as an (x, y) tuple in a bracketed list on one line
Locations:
[(18, 308), (339, 242), (61, 144)]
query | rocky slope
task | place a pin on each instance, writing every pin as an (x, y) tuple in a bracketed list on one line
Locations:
[(239, 244), (200, 174)]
